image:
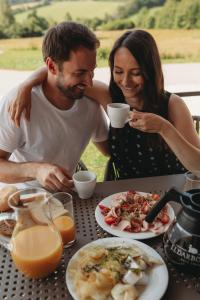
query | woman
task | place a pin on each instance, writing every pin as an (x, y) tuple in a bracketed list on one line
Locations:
[(138, 149)]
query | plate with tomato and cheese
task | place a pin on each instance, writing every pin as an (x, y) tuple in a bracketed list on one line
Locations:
[(123, 215)]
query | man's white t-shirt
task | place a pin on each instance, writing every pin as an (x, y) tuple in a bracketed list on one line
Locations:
[(52, 135)]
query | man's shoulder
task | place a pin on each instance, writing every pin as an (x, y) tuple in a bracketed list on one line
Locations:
[(8, 98), (92, 109), (89, 103), (10, 94)]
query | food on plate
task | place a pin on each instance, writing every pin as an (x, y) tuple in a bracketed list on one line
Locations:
[(7, 227), (103, 272), (5, 193), (41, 216), (124, 291), (128, 210)]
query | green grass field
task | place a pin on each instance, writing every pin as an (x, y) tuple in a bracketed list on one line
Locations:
[(95, 161), (77, 9), (175, 46)]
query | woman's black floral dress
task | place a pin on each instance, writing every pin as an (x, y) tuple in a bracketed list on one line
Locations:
[(135, 155)]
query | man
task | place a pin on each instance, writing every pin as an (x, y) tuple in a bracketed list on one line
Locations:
[(47, 149)]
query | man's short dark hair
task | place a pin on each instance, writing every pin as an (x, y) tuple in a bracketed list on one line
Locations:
[(65, 37)]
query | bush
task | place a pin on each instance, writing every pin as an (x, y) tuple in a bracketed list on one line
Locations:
[(2, 34), (168, 56), (93, 23), (187, 16), (33, 26), (103, 54), (133, 7), (13, 31), (179, 14)]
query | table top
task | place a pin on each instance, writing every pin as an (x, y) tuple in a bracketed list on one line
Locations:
[(15, 286)]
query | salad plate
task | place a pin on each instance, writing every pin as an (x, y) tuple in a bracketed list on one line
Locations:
[(112, 201), (157, 274)]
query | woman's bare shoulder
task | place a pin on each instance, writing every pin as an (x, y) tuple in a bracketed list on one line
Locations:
[(179, 114), (177, 105)]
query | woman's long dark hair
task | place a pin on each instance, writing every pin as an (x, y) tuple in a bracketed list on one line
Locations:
[(144, 49)]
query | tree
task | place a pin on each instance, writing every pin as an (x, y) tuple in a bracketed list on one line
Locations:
[(6, 16), (133, 7), (118, 25), (34, 25), (2, 33), (68, 17), (166, 16), (179, 14), (187, 15)]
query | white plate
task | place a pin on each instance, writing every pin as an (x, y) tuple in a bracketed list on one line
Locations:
[(158, 278), (125, 234)]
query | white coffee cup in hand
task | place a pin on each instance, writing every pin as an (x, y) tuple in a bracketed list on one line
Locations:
[(84, 182), (118, 114)]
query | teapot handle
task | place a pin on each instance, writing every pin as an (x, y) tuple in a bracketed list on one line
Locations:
[(5, 241), (172, 195)]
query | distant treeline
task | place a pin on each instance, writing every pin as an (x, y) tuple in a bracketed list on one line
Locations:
[(174, 14), (12, 2), (9, 28), (157, 14), (134, 13)]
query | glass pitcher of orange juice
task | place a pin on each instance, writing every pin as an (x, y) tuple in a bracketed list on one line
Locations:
[(36, 245)]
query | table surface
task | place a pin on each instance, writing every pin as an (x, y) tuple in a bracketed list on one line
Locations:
[(15, 286)]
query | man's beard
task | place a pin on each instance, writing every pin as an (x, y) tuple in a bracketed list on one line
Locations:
[(72, 93)]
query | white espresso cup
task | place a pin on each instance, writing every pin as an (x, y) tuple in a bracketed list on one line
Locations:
[(84, 182), (118, 114)]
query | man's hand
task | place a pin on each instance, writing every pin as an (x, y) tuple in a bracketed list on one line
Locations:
[(21, 103), (147, 122), (53, 178)]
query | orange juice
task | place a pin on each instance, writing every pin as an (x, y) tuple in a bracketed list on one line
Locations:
[(36, 251), (66, 227)]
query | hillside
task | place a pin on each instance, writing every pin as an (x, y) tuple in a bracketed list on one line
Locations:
[(97, 15), (57, 11)]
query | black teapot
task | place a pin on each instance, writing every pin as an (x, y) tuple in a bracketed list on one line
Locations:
[(182, 239)]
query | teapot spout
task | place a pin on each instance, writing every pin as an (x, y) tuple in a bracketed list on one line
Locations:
[(172, 195)]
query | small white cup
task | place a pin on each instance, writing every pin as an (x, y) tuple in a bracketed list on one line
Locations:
[(118, 114), (84, 182)]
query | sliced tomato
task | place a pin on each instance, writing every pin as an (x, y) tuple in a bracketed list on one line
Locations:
[(101, 206), (145, 207), (155, 196), (104, 209), (110, 220), (125, 207), (165, 219)]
